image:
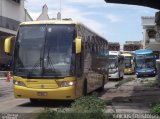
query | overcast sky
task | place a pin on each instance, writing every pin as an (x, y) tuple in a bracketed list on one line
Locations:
[(115, 22)]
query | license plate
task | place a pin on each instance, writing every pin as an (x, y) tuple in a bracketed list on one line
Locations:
[(42, 93)]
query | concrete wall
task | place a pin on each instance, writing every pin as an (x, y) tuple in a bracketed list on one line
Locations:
[(11, 14), (149, 41), (13, 10)]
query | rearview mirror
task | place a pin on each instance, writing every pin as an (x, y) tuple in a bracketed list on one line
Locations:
[(78, 42), (8, 44)]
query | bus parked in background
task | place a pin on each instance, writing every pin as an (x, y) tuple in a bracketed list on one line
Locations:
[(128, 62), (57, 60), (145, 63), (116, 65)]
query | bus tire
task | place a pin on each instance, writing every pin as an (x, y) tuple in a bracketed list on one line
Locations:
[(85, 88), (122, 77), (119, 77), (33, 100)]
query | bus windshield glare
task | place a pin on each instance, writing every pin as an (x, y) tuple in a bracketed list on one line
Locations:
[(127, 61), (112, 61), (145, 62), (45, 51)]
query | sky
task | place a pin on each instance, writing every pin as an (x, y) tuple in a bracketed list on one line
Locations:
[(115, 22)]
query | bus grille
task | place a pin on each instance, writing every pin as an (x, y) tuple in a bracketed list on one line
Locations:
[(43, 86)]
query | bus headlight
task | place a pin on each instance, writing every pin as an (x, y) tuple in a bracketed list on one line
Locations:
[(19, 83), (67, 83)]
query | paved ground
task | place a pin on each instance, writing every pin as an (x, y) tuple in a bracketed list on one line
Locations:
[(130, 97), (8, 104)]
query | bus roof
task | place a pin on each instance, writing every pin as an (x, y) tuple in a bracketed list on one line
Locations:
[(143, 51), (127, 54), (59, 22), (114, 52), (49, 22)]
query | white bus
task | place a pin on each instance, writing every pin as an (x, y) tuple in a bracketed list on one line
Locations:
[(116, 65)]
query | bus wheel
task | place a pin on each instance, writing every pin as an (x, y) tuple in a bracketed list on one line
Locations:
[(33, 100), (119, 77), (85, 88), (122, 77)]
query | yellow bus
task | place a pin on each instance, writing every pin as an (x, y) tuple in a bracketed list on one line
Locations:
[(57, 60), (128, 62)]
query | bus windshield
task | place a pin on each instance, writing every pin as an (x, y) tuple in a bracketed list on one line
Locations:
[(112, 61), (44, 51), (145, 63), (127, 61)]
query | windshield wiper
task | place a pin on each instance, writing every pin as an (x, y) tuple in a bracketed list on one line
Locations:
[(49, 61), (142, 65), (37, 64), (150, 65)]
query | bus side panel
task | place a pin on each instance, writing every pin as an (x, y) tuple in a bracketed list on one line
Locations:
[(90, 62)]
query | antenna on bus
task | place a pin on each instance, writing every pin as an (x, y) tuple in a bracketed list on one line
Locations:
[(60, 10)]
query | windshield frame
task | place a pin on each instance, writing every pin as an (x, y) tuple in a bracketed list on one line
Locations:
[(144, 62)]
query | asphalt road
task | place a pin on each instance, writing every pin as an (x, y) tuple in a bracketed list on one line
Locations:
[(8, 104)]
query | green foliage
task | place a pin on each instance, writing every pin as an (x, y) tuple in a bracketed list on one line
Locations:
[(155, 109), (47, 114), (89, 107), (89, 104)]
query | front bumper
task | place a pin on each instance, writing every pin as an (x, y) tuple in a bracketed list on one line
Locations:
[(128, 71), (114, 75), (146, 73), (62, 93)]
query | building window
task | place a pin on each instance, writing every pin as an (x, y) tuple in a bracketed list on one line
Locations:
[(17, 1)]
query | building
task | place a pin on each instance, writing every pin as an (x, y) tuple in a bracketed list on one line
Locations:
[(44, 15), (132, 45), (113, 46), (149, 34), (12, 12)]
